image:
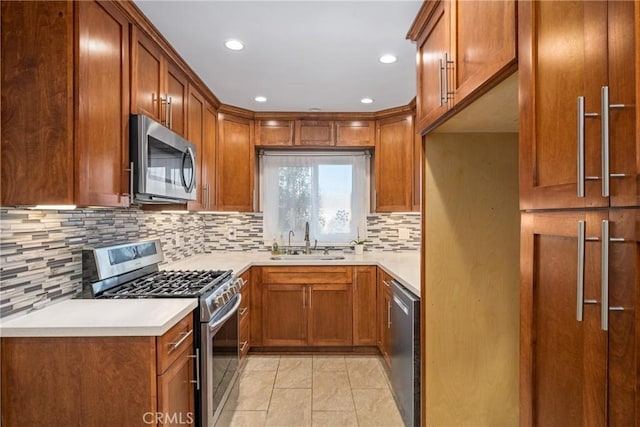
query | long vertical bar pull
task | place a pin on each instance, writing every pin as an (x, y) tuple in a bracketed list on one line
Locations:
[(604, 318), (580, 287), (605, 141), (440, 68), (581, 146)]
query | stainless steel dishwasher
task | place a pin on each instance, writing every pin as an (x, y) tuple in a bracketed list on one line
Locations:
[(405, 353)]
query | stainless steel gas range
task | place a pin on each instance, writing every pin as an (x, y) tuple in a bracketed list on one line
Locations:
[(131, 271)]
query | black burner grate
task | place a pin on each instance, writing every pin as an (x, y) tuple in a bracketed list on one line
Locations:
[(171, 284)]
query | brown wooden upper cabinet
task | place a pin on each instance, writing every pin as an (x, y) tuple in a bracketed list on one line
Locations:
[(236, 153), (195, 134), (158, 86), (577, 65), (315, 133), (44, 160), (209, 154), (464, 48), (355, 133), (394, 164), (274, 133)]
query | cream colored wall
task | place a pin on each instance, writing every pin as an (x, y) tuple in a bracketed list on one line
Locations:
[(471, 294)]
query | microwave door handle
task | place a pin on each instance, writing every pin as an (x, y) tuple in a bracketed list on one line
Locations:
[(188, 186)]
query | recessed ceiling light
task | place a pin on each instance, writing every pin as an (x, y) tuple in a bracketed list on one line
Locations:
[(387, 59), (314, 109), (366, 100), (234, 44), (260, 99)]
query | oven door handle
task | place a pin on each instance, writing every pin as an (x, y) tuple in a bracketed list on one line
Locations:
[(213, 327)]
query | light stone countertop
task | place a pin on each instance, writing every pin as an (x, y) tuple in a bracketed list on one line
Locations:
[(101, 317), (403, 266)]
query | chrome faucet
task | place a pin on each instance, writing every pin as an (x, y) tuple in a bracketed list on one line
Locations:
[(291, 233), (307, 243)]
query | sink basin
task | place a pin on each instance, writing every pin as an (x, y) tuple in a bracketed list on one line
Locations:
[(312, 257)]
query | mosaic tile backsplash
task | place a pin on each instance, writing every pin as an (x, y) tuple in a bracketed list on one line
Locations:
[(41, 251)]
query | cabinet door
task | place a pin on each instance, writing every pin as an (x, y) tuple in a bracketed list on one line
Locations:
[(36, 147), (195, 128), (394, 164), (481, 52), (384, 315), (102, 126), (563, 353), (623, 90), (562, 56), (623, 337), (315, 133), (284, 314), (271, 133), (176, 392), (330, 315), (357, 133), (209, 156), (176, 92), (235, 164), (146, 77), (431, 101), (364, 305)]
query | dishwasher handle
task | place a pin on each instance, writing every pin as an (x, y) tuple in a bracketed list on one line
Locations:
[(401, 304)]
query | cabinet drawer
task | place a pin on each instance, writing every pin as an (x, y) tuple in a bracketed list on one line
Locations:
[(307, 275), (174, 342)]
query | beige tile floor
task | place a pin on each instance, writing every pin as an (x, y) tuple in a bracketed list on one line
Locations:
[(332, 391)]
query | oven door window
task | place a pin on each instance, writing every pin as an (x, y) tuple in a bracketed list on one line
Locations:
[(168, 169), (224, 360)]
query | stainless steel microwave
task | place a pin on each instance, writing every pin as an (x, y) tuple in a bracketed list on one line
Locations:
[(164, 165)]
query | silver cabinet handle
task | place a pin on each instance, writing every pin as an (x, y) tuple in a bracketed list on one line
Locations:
[(310, 296), (130, 170), (387, 284), (440, 69), (244, 344), (606, 146), (446, 78), (388, 314), (177, 344), (581, 147), (580, 288), (605, 141), (604, 277), (170, 105), (166, 109), (197, 357), (304, 297), (243, 310)]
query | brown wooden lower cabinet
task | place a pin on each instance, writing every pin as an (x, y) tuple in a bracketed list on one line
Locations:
[(384, 315), (579, 352), (99, 381), (305, 306), (364, 305)]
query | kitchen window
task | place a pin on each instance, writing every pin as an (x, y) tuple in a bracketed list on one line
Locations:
[(327, 189)]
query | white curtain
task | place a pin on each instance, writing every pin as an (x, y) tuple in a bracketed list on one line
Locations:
[(330, 191)]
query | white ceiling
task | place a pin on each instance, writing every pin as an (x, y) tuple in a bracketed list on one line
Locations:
[(299, 54)]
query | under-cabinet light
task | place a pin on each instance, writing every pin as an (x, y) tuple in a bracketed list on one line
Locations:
[(55, 207)]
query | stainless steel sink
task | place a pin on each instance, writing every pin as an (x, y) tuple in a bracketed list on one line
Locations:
[(302, 257)]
